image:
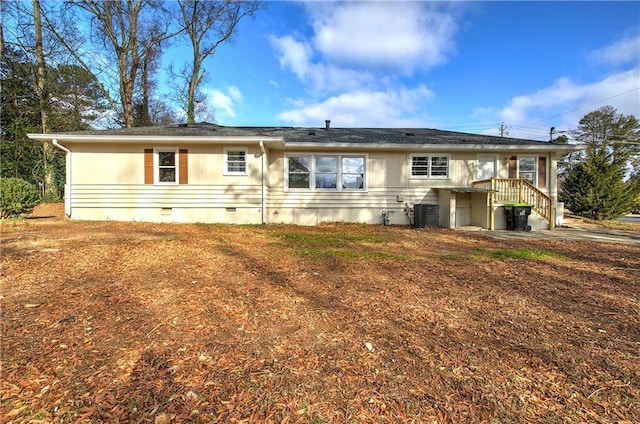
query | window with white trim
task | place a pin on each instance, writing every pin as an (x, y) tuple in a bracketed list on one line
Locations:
[(166, 169), (527, 168), (429, 166), (235, 162), (325, 172), (353, 172), (299, 172)]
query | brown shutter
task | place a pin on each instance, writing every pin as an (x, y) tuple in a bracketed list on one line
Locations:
[(542, 172), (148, 166), (183, 165), (513, 167)]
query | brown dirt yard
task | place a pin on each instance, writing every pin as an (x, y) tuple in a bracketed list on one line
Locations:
[(161, 323)]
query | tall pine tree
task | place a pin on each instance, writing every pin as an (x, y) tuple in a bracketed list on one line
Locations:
[(595, 187)]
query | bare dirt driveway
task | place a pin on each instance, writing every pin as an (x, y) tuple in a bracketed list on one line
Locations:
[(159, 323)]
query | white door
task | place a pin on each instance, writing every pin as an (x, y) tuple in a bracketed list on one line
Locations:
[(487, 167)]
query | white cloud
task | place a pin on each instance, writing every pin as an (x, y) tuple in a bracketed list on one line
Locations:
[(294, 55), (400, 37), (319, 77), (390, 108), (622, 52), (352, 61), (224, 103), (359, 45), (564, 103)]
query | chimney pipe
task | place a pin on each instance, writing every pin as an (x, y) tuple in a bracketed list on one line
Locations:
[(327, 124)]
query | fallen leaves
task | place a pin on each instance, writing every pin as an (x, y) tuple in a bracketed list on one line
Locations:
[(133, 322)]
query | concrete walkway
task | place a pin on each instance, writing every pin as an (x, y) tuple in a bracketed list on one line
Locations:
[(573, 230), (605, 235)]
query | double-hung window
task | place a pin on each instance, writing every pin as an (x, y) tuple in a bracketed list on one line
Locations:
[(167, 166), (353, 172), (299, 172), (527, 168), (429, 166), (326, 168), (235, 162), (325, 172)]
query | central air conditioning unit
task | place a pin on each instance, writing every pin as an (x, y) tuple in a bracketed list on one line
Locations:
[(425, 215)]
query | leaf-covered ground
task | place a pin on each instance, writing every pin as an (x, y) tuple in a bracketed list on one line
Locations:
[(160, 323)]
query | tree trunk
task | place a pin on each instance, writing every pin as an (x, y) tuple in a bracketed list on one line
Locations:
[(50, 189), (191, 93)]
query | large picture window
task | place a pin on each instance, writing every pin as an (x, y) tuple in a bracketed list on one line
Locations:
[(325, 172), (429, 166)]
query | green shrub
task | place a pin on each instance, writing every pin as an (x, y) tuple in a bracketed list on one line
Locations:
[(17, 197)]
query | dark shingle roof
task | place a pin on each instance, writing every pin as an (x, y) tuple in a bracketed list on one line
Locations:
[(295, 135)]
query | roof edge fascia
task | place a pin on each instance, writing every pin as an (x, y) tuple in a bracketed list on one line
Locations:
[(281, 142), (79, 138), (443, 147)]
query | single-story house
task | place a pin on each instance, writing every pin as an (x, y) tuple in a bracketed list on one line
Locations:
[(252, 175)]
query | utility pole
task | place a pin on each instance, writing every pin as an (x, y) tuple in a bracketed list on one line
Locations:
[(503, 130)]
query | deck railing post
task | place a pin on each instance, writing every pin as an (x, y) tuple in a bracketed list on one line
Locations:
[(492, 202), (520, 191)]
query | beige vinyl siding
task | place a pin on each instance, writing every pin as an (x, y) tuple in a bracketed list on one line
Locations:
[(387, 170), (187, 203), (108, 183), (462, 169), (387, 184), (109, 164)]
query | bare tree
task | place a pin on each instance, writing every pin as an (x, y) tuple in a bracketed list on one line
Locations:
[(50, 188), (208, 24), (128, 30)]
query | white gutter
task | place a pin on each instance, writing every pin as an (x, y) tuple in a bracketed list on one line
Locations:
[(280, 142), (67, 185), (264, 183), (90, 138), (439, 147)]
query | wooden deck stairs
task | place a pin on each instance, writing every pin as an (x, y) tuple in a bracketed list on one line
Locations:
[(505, 190)]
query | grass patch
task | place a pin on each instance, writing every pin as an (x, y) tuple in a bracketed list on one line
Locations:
[(337, 245), (503, 254), (530, 254), (350, 253), (326, 239), (464, 256)]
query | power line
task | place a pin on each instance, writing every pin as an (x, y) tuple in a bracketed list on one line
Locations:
[(587, 105)]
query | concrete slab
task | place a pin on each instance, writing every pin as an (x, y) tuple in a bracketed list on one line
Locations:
[(571, 233)]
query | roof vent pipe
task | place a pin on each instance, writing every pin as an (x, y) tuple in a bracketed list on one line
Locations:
[(327, 124)]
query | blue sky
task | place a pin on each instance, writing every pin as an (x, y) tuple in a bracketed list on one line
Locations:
[(462, 66)]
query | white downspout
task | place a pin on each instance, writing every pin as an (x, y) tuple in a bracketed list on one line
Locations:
[(264, 183), (67, 185)]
